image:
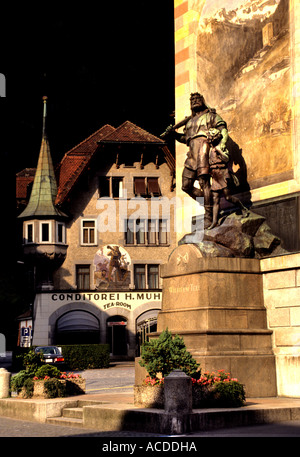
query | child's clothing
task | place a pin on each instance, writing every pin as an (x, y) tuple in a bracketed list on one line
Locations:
[(219, 170)]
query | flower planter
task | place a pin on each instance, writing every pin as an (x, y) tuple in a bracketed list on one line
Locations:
[(149, 396), (203, 397), (153, 396), (74, 386)]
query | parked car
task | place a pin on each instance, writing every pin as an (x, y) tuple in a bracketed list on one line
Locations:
[(51, 354)]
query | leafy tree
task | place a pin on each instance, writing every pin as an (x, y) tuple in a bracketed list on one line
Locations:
[(165, 354), (31, 361)]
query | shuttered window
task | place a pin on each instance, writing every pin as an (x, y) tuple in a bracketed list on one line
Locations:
[(140, 187), (153, 187), (146, 187)]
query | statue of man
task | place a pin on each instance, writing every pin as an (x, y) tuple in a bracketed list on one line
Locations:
[(196, 166)]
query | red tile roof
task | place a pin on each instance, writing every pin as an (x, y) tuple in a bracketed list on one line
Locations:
[(131, 133), (75, 161), (24, 178)]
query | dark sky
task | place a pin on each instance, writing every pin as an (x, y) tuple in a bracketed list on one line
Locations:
[(97, 65)]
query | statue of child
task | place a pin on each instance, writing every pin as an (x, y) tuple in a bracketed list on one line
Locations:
[(221, 177)]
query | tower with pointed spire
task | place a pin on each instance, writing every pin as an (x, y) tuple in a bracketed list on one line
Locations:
[(44, 239)]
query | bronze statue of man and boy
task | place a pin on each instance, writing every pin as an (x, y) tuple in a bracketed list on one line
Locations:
[(206, 135)]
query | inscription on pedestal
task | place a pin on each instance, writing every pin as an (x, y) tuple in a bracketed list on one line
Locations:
[(216, 305)]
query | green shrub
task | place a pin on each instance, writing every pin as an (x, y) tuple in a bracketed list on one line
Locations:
[(54, 388), (217, 390), (229, 394), (29, 387), (25, 359), (165, 354), (17, 381), (32, 361), (47, 370), (85, 356), (17, 358)]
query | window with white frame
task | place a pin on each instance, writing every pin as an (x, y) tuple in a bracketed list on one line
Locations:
[(45, 232), (88, 232), (149, 232), (29, 232), (60, 232)]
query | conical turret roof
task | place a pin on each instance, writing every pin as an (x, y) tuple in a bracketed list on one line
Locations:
[(44, 189)]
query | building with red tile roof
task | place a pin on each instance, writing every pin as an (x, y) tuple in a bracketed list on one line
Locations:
[(104, 285)]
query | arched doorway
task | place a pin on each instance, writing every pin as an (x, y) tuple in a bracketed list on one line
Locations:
[(116, 334), (77, 327), (146, 323)]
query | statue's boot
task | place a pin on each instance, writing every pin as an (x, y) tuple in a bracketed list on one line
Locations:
[(208, 216)]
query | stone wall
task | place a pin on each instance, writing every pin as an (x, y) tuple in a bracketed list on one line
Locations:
[(281, 281)]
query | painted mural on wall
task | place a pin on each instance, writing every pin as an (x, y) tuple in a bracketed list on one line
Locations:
[(112, 268), (243, 59)]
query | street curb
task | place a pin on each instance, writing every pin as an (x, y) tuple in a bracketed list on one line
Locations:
[(125, 417)]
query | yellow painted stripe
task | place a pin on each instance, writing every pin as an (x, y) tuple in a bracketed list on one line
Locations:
[(109, 388), (180, 90), (182, 33), (178, 2), (190, 16)]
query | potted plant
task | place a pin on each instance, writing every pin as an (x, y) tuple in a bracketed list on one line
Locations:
[(160, 357)]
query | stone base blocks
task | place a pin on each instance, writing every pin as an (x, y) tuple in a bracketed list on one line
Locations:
[(281, 277), (216, 305)]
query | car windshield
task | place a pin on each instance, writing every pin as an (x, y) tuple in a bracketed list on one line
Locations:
[(48, 350)]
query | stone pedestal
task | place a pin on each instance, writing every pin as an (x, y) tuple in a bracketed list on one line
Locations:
[(216, 305), (4, 383), (178, 393)]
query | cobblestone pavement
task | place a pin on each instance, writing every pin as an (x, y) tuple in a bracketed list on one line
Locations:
[(119, 377)]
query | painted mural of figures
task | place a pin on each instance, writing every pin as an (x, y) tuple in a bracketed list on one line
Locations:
[(111, 266), (115, 257), (101, 273)]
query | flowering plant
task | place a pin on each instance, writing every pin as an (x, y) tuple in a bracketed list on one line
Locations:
[(38, 378), (211, 389), (62, 375), (148, 381), (218, 389), (65, 375), (209, 379)]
